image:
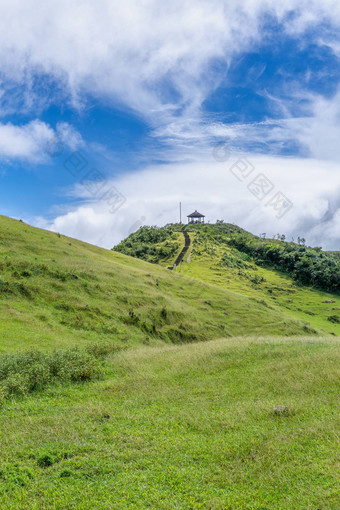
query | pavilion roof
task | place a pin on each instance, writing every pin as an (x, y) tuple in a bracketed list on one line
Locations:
[(195, 214)]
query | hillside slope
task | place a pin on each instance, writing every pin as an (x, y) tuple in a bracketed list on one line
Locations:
[(56, 291), (285, 276)]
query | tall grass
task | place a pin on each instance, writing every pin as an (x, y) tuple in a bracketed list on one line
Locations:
[(22, 373)]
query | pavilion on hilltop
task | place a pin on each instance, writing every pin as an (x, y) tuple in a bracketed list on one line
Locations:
[(196, 217)]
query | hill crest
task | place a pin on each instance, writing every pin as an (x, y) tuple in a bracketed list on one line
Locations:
[(302, 280)]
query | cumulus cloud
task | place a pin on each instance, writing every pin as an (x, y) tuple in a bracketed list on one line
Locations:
[(161, 60), (24, 142), (153, 197), (31, 141), (319, 133)]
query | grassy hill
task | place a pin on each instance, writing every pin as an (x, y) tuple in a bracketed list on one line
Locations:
[(230, 258), (138, 387), (57, 292)]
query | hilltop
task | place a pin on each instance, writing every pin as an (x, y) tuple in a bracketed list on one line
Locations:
[(292, 278)]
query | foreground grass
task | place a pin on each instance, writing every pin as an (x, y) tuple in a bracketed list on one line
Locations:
[(182, 427)]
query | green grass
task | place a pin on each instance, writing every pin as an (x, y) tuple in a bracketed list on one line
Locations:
[(138, 387), (240, 275), (59, 292), (182, 427), (277, 289)]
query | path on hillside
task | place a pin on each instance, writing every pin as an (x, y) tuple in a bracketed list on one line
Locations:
[(187, 243)]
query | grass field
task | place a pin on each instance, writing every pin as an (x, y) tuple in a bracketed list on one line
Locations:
[(161, 391), (182, 427)]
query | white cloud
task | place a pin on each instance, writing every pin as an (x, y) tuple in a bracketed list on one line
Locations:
[(329, 230), (154, 57), (319, 133), (153, 196), (31, 141), (69, 136), (315, 128), (24, 142)]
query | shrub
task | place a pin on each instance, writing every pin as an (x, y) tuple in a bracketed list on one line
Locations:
[(14, 475), (23, 373), (102, 349), (152, 244), (164, 313), (334, 318), (15, 384), (232, 260), (65, 473), (257, 279), (308, 266), (73, 365), (45, 460)]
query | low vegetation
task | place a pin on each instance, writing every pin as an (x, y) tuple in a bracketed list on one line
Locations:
[(22, 373), (269, 271), (308, 266), (56, 292), (139, 387), (153, 244), (182, 427)]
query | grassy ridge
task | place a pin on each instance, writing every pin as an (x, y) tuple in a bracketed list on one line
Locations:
[(215, 259), (59, 292), (182, 427)]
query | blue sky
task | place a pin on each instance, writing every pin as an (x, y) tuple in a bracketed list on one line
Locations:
[(143, 93)]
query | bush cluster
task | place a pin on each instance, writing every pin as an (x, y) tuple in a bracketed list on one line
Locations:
[(308, 266), (152, 244), (22, 373), (231, 260)]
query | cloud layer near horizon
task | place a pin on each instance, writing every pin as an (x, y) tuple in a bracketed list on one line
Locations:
[(153, 197)]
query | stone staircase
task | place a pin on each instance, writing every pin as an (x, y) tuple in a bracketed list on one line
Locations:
[(187, 243)]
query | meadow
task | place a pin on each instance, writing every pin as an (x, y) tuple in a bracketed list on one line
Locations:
[(182, 427), (126, 385), (214, 260), (56, 292)]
